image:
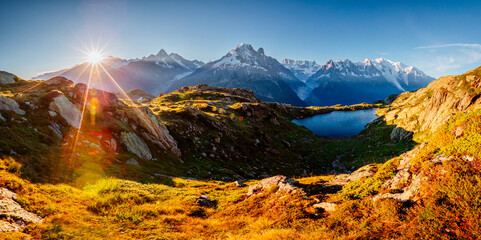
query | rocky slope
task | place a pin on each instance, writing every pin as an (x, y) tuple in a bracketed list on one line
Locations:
[(429, 108)]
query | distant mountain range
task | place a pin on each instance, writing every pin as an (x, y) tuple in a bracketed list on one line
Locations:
[(153, 74), (346, 82), (244, 67), (296, 82)]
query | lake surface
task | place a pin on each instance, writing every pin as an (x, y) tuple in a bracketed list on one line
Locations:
[(338, 123)]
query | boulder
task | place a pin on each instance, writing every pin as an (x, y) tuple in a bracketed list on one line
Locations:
[(66, 109), (6, 78), (204, 201), (408, 193), (9, 104), (61, 81), (132, 162), (135, 145), (155, 128), (108, 144), (343, 179), (14, 217), (283, 184), (399, 134), (326, 206)]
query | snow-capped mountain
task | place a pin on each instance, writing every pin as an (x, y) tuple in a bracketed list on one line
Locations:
[(301, 69), (347, 82), (153, 74), (244, 67)]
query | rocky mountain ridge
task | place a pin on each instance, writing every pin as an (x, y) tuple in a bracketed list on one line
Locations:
[(293, 82)]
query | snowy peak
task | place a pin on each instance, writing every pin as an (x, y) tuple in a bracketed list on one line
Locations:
[(244, 55), (162, 52), (401, 76), (172, 60), (301, 69)]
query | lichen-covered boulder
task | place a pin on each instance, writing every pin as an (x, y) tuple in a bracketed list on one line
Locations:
[(9, 104), (66, 109), (282, 183), (157, 133), (14, 217), (326, 206), (135, 145), (6, 78)]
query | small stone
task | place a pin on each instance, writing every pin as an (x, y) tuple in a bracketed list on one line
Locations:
[(132, 162), (52, 113), (239, 184)]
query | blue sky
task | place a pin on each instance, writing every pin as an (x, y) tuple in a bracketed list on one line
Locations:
[(439, 37)]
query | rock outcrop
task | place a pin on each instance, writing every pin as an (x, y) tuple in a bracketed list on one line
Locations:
[(430, 107), (66, 109), (399, 134), (326, 206), (277, 183), (12, 216), (9, 104), (6, 78), (204, 201), (343, 179), (135, 145), (157, 133)]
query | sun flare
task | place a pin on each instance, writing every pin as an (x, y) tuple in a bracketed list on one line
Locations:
[(94, 57)]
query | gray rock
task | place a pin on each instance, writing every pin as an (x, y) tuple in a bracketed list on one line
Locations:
[(52, 113), (363, 172), (136, 145), (9, 104), (55, 127), (67, 110), (204, 201), (2, 118), (283, 184), (399, 134), (132, 162), (408, 193), (155, 128), (6, 78)]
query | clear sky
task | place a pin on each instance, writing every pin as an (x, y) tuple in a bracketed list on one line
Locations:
[(439, 37)]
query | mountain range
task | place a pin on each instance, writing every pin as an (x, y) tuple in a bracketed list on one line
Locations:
[(295, 82)]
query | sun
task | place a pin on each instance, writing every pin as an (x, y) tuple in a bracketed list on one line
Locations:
[(94, 57)]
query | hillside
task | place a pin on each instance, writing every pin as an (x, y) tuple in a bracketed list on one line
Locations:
[(400, 189)]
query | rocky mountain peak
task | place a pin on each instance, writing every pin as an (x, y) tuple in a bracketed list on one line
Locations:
[(162, 52)]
